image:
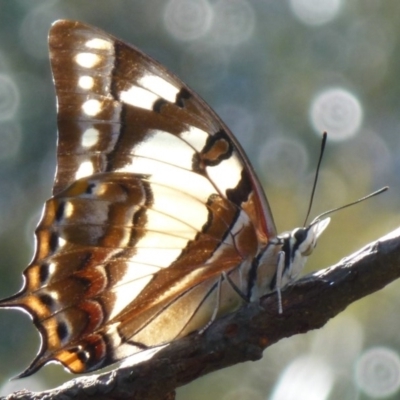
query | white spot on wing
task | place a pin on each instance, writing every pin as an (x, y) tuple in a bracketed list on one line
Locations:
[(227, 174), (52, 268), (68, 209), (195, 137), (86, 82), (99, 44), (87, 60), (61, 242), (85, 169), (160, 87), (163, 146), (54, 295), (139, 97), (91, 107), (90, 137)]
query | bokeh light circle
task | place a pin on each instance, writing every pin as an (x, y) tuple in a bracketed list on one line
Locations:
[(34, 28), (315, 12), (10, 139), (306, 378), (378, 372), (234, 22), (338, 112), (9, 97), (187, 20), (283, 160)]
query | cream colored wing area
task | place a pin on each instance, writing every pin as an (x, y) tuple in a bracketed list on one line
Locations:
[(193, 310)]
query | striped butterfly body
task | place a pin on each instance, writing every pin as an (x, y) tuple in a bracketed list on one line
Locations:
[(157, 224)]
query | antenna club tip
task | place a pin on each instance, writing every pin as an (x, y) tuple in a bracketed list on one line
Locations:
[(381, 190)]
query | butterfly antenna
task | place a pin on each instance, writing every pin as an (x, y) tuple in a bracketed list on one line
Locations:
[(321, 153), (373, 194)]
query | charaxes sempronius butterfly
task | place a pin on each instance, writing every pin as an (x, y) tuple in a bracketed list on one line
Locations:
[(157, 224)]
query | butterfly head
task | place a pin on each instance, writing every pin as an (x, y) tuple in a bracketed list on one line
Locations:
[(284, 257), (296, 246), (294, 249), (303, 240)]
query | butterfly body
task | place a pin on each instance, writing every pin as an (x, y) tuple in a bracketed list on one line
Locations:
[(157, 224)]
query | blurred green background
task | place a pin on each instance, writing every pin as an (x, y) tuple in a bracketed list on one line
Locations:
[(278, 73)]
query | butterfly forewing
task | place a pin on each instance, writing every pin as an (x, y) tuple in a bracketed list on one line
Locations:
[(153, 201), (113, 100)]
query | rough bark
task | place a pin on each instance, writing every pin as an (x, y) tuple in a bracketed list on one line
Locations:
[(308, 304)]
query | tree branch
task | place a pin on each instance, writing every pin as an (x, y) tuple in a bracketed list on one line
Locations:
[(242, 336)]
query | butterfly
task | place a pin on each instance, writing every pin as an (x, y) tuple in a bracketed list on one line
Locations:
[(157, 225)]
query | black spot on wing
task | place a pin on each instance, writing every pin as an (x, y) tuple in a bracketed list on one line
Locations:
[(62, 331), (44, 273), (46, 299), (85, 282), (89, 188), (60, 211), (53, 242), (183, 95), (241, 192), (82, 355), (158, 105)]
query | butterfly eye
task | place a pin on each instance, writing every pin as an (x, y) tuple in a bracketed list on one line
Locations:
[(300, 235), (304, 240)]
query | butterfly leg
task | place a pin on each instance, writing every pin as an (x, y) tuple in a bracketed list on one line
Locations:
[(279, 274), (235, 287)]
